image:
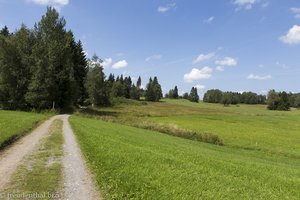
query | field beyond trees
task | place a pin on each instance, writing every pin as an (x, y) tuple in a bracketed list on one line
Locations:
[(259, 159)]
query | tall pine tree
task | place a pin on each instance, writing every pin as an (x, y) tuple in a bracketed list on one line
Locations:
[(52, 83)]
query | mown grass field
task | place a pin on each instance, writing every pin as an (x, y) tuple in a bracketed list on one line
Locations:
[(132, 163), (14, 124), (250, 127)]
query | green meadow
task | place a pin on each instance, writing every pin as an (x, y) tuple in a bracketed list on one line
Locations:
[(14, 124), (245, 126), (250, 127), (259, 159)]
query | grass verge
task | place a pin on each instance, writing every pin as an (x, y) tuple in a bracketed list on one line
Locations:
[(14, 125), (41, 172)]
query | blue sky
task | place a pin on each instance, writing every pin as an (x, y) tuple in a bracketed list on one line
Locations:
[(236, 45)]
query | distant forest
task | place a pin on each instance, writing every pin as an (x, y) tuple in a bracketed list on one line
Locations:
[(274, 100), (46, 68)]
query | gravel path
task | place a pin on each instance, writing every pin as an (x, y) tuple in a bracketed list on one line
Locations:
[(77, 180), (11, 157)]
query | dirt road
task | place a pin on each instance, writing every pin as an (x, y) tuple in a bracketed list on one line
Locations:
[(77, 182)]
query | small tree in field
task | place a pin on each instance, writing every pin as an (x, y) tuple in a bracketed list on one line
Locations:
[(153, 90), (194, 97)]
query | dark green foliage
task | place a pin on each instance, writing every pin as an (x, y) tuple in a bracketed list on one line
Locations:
[(127, 87), (96, 84), (217, 96), (278, 101), (4, 31), (284, 101), (117, 88), (153, 90), (139, 82), (52, 83), (226, 98), (135, 93), (213, 96), (185, 95), (294, 99), (42, 68), (80, 72), (15, 65), (297, 101), (173, 93), (194, 97)]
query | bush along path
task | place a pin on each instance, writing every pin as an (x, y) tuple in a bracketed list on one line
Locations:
[(47, 164)]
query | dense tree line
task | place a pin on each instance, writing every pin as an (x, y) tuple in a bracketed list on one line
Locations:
[(282, 100), (274, 100), (45, 67), (102, 90), (226, 98)]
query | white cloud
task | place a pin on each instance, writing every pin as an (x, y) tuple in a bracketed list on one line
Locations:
[(296, 11), (257, 77), (209, 20), (153, 57), (292, 36), (220, 68), (166, 8), (107, 62), (227, 61), (120, 64), (200, 87), (203, 57), (246, 4), (57, 3), (198, 74)]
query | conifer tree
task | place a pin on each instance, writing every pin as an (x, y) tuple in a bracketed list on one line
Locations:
[(52, 83), (4, 31), (194, 97)]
